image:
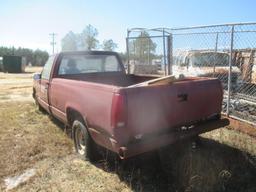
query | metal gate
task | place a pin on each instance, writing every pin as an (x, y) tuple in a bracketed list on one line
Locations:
[(225, 51)]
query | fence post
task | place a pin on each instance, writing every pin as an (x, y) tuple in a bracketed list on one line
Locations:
[(230, 69), (164, 51), (170, 54), (149, 63), (216, 49), (127, 52)]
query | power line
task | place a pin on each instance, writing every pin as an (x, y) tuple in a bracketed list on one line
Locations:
[(53, 42)]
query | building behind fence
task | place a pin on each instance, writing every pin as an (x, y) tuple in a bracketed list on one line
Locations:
[(227, 52)]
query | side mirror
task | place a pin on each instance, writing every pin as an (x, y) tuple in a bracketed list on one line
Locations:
[(37, 76)]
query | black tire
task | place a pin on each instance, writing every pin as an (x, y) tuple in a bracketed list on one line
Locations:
[(84, 144), (39, 107)]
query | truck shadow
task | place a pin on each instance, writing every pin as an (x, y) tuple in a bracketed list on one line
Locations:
[(210, 167)]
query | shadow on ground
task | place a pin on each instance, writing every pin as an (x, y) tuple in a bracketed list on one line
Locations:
[(209, 167)]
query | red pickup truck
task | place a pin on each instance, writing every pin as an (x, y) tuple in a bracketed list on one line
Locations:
[(91, 93)]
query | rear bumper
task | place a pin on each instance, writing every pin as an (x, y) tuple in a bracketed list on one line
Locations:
[(145, 145)]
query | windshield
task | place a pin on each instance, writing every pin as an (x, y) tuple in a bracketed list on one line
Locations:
[(79, 64), (209, 59)]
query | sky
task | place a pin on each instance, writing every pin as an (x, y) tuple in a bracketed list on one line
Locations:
[(28, 23)]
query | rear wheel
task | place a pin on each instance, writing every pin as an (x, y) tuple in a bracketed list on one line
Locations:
[(84, 144)]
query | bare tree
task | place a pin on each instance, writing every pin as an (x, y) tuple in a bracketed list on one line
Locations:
[(69, 42), (109, 45), (88, 37)]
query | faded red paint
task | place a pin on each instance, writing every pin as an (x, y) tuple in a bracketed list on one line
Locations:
[(123, 119)]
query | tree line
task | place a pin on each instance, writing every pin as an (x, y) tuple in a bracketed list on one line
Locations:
[(34, 57), (141, 49), (86, 40)]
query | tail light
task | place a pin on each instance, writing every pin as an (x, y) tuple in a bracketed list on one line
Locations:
[(118, 113)]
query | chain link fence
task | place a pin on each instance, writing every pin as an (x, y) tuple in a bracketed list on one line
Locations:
[(148, 51), (226, 52)]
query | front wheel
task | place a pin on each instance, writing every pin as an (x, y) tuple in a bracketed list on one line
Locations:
[(39, 107), (83, 141)]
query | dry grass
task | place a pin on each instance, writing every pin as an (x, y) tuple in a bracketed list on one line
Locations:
[(29, 139), (24, 141)]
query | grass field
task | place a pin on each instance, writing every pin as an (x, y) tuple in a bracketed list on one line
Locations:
[(225, 160)]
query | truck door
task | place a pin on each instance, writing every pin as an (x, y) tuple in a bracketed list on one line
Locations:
[(44, 84)]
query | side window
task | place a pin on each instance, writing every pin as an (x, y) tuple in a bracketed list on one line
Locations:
[(47, 68)]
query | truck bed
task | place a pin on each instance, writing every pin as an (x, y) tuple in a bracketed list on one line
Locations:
[(153, 109), (111, 78), (181, 102)]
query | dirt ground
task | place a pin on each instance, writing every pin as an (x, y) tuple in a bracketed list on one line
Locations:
[(17, 86), (224, 159)]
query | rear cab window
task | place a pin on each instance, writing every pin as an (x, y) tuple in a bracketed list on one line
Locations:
[(82, 64)]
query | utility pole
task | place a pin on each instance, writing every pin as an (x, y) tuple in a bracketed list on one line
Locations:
[(53, 42)]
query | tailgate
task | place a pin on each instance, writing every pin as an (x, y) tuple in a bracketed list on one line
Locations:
[(152, 109)]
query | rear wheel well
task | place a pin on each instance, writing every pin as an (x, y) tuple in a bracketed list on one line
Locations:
[(92, 150), (72, 115)]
